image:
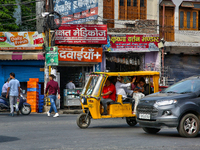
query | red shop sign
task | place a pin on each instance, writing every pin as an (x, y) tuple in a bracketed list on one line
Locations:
[(79, 54), (81, 34)]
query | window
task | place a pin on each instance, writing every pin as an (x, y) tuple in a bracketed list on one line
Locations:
[(181, 19), (194, 20), (121, 3), (188, 20), (132, 9), (141, 3), (128, 2), (135, 3)]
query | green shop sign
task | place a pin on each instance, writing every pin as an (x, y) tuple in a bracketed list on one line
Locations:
[(51, 56)]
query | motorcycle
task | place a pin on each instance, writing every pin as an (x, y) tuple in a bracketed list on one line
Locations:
[(24, 107)]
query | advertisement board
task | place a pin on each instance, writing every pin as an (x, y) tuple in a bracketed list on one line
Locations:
[(79, 54), (51, 56), (81, 34), (21, 40), (135, 42), (77, 11)]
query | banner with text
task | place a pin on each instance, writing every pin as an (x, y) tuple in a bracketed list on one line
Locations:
[(81, 34), (21, 40), (77, 11), (79, 54), (137, 43)]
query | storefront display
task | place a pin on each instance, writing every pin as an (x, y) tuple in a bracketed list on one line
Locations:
[(131, 52), (72, 97)]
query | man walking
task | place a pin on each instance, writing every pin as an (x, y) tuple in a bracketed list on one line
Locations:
[(14, 89), (53, 88)]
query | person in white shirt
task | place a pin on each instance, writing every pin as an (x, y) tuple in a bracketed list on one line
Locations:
[(70, 85), (121, 88)]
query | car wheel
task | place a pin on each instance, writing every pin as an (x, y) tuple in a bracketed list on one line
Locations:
[(131, 121), (189, 126), (151, 130), (82, 121)]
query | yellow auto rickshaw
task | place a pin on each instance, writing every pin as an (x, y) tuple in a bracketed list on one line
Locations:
[(91, 97)]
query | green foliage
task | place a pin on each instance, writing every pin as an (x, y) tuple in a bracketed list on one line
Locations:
[(28, 13), (7, 21)]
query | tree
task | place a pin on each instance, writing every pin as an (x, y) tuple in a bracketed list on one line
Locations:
[(28, 15), (7, 21)]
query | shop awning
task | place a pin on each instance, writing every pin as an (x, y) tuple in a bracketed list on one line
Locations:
[(187, 4), (21, 56), (167, 3)]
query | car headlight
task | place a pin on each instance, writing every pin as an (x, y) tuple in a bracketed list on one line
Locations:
[(165, 102)]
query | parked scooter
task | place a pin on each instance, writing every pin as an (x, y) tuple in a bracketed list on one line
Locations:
[(24, 107)]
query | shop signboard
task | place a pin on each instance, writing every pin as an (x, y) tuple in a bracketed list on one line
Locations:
[(136, 42), (51, 56), (76, 11), (79, 54), (21, 40), (81, 34)]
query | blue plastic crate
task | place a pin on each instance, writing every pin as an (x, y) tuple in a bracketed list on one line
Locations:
[(40, 107), (40, 110), (41, 100), (41, 96), (32, 89), (41, 104)]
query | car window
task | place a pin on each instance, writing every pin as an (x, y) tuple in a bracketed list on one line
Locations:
[(185, 86)]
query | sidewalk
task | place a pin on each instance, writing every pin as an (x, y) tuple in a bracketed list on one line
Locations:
[(71, 111)]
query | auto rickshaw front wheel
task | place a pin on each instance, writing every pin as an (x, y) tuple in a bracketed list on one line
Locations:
[(131, 121), (82, 121)]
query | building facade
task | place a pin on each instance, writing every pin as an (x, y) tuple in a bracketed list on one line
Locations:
[(181, 33), (131, 18)]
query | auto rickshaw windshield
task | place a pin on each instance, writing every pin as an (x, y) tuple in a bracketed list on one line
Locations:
[(93, 86)]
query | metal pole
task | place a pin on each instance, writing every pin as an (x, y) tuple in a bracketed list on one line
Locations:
[(163, 35)]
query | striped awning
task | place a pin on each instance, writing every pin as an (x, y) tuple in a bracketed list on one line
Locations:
[(21, 56)]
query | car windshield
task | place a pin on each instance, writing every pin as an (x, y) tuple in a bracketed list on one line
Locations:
[(92, 86), (186, 86)]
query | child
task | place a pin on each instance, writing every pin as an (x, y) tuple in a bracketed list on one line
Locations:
[(138, 87)]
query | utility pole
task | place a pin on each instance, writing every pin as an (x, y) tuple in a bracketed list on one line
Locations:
[(163, 36)]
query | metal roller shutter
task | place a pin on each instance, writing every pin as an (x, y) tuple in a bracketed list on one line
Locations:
[(182, 66)]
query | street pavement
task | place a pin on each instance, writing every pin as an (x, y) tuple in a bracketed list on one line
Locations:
[(38, 132)]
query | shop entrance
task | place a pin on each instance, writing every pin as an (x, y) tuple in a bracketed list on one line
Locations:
[(77, 74), (116, 62)]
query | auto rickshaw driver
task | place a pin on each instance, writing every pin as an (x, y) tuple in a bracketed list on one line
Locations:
[(108, 94)]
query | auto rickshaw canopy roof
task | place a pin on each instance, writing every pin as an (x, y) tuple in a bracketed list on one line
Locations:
[(131, 73)]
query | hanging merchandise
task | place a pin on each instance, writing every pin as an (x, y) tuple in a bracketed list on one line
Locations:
[(118, 60), (130, 61), (138, 61), (135, 61), (127, 62), (51, 56)]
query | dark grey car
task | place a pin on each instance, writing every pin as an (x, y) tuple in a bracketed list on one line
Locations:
[(177, 106)]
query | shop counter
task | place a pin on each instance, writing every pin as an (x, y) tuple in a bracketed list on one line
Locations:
[(72, 97)]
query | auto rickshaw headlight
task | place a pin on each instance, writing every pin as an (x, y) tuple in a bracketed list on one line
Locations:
[(82, 100)]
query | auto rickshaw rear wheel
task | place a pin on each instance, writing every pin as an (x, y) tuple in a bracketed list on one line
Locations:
[(131, 121), (82, 121)]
